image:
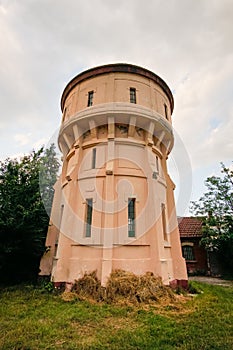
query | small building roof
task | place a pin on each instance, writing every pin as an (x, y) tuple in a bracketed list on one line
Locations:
[(189, 227)]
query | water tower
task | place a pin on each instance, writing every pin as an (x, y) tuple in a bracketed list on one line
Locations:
[(114, 204)]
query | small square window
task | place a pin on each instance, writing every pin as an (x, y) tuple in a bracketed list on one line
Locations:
[(132, 95)]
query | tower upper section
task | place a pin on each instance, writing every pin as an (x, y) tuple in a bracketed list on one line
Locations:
[(119, 82), (134, 99)]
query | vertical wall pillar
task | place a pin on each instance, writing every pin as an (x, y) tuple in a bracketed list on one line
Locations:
[(151, 128), (109, 207)]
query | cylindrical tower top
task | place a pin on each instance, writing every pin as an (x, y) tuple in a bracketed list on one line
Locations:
[(117, 68)]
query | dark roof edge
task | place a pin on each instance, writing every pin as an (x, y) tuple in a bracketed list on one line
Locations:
[(117, 67)]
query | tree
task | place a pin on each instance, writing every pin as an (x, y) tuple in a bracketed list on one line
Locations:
[(49, 168), (216, 209), (23, 218)]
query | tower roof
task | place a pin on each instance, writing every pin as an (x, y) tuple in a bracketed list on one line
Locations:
[(117, 67)]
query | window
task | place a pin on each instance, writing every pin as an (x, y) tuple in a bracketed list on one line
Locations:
[(165, 111), (93, 162), (61, 215), (187, 252), (89, 205), (64, 114), (157, 164), (131, 217), (156, 171), (132, 95), (164, 222), (90, 98)]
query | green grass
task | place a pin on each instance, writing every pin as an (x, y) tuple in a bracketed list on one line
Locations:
[(31, 318)]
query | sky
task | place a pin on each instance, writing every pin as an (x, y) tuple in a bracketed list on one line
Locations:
[(188, 43)]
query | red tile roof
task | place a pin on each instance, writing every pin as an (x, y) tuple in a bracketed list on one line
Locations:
[(189, 227)]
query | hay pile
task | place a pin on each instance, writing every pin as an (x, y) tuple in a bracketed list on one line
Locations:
[(145, 288), (89, 287), (125, 288)]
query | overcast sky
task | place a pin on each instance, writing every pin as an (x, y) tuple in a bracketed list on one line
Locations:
[(45, 43)]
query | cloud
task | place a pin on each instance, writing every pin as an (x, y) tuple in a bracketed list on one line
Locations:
[(22, 139), (202, 102), (40, 143)]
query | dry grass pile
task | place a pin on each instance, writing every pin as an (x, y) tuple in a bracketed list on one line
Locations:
[(125, 288), (145, 288), (89, 287)]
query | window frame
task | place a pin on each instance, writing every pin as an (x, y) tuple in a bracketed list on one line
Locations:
[(131, 217), (64, 114), (88, 217), (90, 98), (93, 159), (188, 252), (132, 95), (164, 222), (166, 111), (157, 164)]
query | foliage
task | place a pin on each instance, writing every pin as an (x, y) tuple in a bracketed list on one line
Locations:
[(34, 319), (49, 167), (23, 219), (216, 209)]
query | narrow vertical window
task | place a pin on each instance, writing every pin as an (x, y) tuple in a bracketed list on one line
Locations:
[(90, 98), (89, 206), (61, 215), (165, 111), (93, 161), (132, 95), (64, 114), (164, 222), (157, 164), (131, 217)]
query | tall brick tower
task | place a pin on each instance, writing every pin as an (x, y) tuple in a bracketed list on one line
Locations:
[(114, 204)]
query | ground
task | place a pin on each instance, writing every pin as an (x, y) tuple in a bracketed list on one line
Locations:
[(212, 280)]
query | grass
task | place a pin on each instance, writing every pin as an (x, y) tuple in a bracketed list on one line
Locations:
[(31, 318)]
